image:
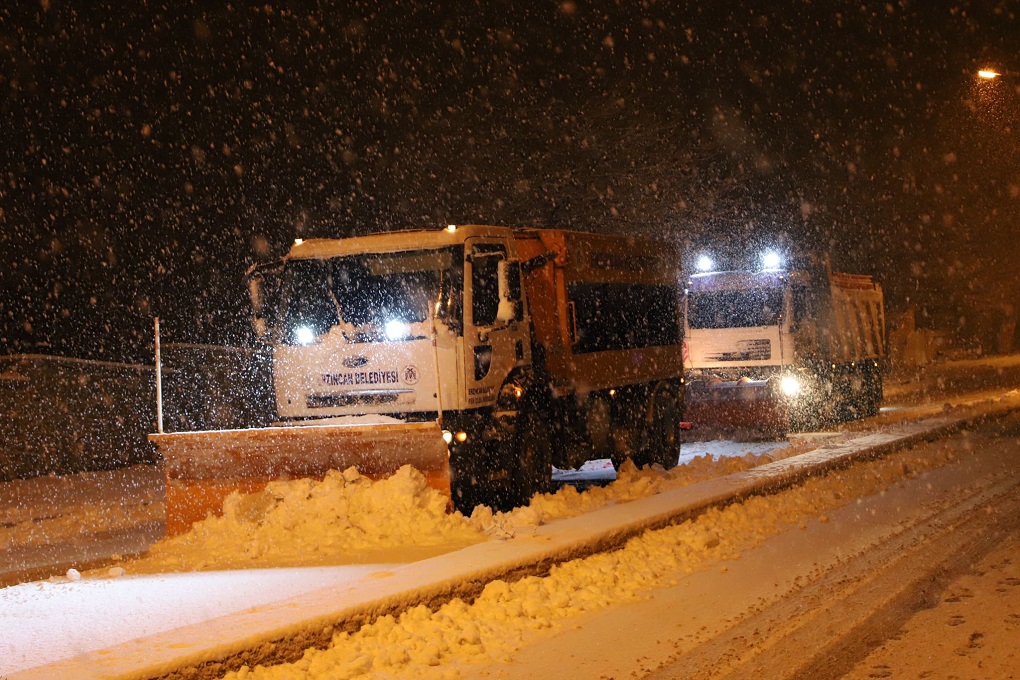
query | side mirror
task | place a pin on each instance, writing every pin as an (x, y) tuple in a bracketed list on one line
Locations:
[(447, 305), (263, 289)]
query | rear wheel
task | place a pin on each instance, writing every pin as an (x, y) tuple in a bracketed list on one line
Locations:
[(857, 395), (600, 428), (846, 395), (873, 392), (663, 437), (532, 469)]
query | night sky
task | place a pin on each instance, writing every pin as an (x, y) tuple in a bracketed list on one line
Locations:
[(152, 151)]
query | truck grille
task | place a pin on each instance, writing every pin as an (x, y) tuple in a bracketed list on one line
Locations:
[(367, 397), (746, 350)]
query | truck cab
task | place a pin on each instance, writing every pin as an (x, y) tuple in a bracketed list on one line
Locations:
[(401, 325), (741, 320)]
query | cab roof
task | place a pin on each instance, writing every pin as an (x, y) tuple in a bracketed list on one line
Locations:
[(391, 241), (741, 280)]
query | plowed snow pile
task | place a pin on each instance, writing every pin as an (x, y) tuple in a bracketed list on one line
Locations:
[(347, 519), (458, 639)]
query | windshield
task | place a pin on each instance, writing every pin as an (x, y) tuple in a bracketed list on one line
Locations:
[(370, 296), (734, 308)]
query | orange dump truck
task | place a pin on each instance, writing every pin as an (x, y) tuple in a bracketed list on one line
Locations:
[(481, 355)]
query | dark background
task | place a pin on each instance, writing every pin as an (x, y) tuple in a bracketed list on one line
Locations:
[(151, 152)]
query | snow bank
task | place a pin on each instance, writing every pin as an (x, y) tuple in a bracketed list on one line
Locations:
[(347, 518), (342, 519), (459, 638)]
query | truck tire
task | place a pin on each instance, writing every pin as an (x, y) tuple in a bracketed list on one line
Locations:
[(846, 400), (532, 470), (663, 437), (857, 393), (600, 426), (464, 491), (873, 391)]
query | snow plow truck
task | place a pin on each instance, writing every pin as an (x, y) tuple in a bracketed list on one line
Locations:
[(481, 355), (776, 349)]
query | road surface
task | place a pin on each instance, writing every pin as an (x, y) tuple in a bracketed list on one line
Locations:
[(783, 586), (830, 595)]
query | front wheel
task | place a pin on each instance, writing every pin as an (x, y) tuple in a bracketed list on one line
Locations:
[(532, 469)]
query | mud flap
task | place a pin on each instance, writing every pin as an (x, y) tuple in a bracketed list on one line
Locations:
[(203, 468)]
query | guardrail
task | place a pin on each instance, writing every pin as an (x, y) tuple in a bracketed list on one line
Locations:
[(64, 415)]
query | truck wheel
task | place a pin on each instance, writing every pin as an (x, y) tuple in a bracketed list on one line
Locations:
[(664, 431), (600, 427), (873, 392), (532, 472), (843, 399), (857, 394), (468, 486)]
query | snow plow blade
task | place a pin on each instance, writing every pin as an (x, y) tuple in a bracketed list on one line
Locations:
[(203, 468), (747, 408)]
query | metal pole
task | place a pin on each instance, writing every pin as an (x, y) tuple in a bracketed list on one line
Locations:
[(159, 384), (435, 361)]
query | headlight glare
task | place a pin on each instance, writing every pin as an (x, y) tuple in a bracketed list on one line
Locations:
[(790, 385), (304, 335), (397, 330)]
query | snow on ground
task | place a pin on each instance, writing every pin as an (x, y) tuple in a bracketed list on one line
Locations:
[(350, 519), (47, 621), (53, 509), (460, 638), (341, 521), (344, 519), (724, 448), (973, 631), (280, 526)]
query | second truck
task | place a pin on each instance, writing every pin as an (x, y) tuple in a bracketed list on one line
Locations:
[(481, 355), (777, 348)]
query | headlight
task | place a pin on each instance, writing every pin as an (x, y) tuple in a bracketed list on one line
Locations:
[(704, 264), (790, 385), (447, 436), (304, 335), (397, 330), (771, 260)]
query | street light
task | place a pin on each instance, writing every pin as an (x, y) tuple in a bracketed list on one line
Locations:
[(989, 74)]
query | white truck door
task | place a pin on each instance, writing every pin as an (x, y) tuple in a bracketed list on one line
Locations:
[(494, 332)]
